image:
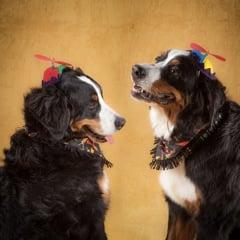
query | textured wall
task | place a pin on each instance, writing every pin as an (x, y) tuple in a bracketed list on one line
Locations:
[(105, 38)]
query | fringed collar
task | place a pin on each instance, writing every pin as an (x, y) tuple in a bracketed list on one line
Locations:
[(169, 154), (81, 144), (89, 147)]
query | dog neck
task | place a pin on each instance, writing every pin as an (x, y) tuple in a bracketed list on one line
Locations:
[(77, 142), (167, 154), (86, 145)]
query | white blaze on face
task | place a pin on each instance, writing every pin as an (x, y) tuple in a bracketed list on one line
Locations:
[(173, 53), (154, 70), (107, 115)]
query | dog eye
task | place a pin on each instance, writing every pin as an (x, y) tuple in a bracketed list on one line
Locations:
[(174, 70), (93, 104)]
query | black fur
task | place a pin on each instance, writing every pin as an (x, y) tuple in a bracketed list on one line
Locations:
[(215, 169), (215, 166), (49, 190)]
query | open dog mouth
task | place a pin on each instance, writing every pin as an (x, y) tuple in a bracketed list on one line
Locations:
[(161, 98), (95, 137)]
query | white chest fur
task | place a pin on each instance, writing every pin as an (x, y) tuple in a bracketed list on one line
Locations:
[(176, 185), (162, 127)]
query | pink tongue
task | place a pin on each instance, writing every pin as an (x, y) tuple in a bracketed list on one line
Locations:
[(109, 139)]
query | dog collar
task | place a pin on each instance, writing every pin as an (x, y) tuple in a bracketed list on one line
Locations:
[(169, 154), (89, 147), (82, 144)]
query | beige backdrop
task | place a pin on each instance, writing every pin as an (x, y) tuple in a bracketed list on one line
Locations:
[(105, 38)]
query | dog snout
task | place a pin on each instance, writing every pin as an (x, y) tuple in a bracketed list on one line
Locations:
[(119, 122), (138, 72)]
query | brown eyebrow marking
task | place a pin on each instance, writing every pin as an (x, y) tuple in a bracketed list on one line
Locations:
[(174, 62), (94, 97)]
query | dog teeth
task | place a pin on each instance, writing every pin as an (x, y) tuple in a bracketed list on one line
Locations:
[(139, 90)]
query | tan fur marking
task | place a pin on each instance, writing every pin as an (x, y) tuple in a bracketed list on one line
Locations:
[(95, 97), (77, 125), (181, 229), (174, 62), (172, 110), (193, 208)]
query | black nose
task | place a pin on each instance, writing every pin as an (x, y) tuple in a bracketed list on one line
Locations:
[(119, 122), (138, 72)]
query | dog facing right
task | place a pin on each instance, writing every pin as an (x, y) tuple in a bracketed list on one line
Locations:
[(197, 131)]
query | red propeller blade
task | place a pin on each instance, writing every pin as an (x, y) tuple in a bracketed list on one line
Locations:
[(52, 60), (64, 63), (197, 47), (43, 58), (218, 57)]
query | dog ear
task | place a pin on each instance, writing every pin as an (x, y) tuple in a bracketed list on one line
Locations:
[(216, 97), (48, 107)]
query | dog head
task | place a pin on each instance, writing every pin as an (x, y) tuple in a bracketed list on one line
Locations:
[(177, 90), (75, 104), (166, 81)]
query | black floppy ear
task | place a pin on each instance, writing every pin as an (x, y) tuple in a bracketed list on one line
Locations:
[(216, 98), (48, 107)]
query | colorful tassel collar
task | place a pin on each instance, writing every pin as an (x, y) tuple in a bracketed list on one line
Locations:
[(82, 144), (86, 145), (169, 154)]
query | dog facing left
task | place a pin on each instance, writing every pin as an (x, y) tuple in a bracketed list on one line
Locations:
[(53, 186)]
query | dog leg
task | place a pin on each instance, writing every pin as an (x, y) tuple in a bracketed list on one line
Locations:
[(180, 225)]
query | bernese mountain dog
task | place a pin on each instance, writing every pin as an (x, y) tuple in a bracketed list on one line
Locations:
[(53, 185), (197, 139)]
